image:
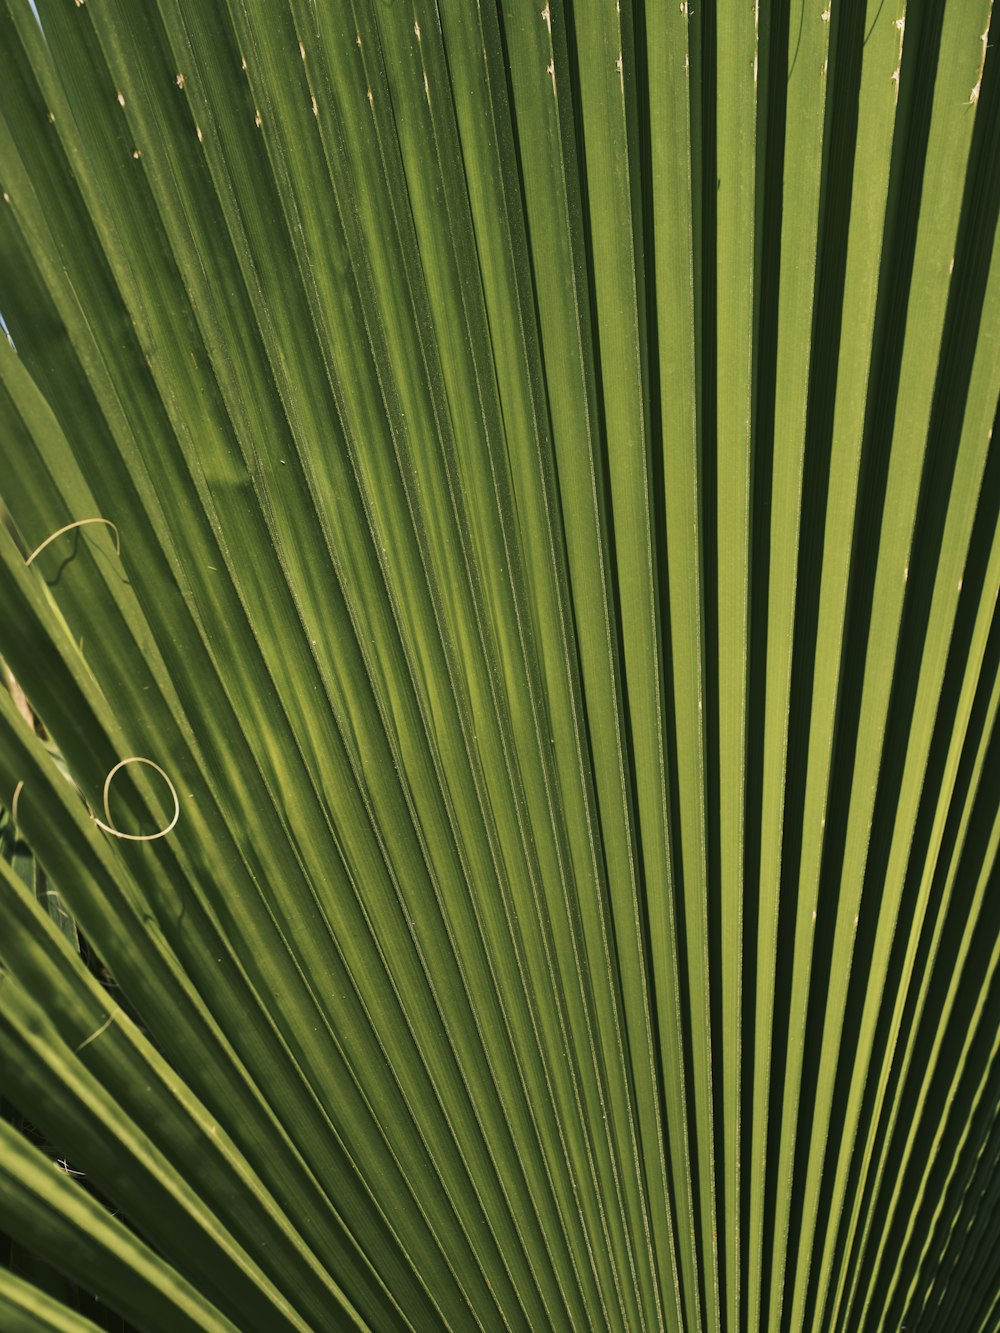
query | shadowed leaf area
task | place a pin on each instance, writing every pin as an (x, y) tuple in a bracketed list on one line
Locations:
[(498, 614)]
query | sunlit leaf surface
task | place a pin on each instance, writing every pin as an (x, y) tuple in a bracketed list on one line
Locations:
[(499, 588)]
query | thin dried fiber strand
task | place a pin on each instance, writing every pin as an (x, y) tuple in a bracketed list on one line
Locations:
[(78, 523), (13, 804), (98, 1032), (108, 827)]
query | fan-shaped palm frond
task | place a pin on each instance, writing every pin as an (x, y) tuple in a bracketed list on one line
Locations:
[(503, 542)]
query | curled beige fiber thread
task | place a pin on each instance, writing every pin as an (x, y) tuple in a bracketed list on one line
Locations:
[(79, 523), (108, 827)]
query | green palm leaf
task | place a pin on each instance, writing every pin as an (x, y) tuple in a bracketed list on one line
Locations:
[(531, 721)]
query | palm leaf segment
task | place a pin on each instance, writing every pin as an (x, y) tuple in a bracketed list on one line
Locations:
[(558, 566)]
